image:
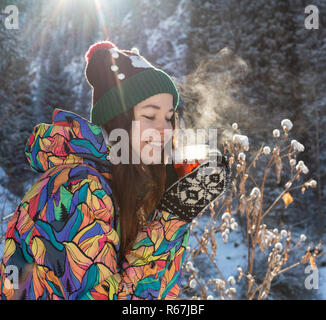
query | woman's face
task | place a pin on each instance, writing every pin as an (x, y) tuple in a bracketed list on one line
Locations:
[(154, 115)]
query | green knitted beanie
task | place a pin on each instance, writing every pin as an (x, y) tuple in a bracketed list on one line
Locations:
[(121, 79)]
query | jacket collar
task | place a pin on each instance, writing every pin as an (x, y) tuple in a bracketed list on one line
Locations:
[(69, 139)]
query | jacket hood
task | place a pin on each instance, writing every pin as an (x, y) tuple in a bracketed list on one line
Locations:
[(70, 139)]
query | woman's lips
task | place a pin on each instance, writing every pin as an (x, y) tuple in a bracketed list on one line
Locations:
[(156, 144)]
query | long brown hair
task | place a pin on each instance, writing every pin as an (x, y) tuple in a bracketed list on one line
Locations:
[(136, 188)]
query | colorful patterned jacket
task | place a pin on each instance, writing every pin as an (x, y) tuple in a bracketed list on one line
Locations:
[(64, 235)]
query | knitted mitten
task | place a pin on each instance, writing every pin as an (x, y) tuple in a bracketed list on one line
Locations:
[(190, 194)]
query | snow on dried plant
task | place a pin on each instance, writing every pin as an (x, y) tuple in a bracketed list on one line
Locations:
[(276, 245)]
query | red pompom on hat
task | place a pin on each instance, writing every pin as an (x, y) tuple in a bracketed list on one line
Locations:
[(99, 45)]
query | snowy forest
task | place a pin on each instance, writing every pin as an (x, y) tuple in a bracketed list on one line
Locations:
[(251, 69)]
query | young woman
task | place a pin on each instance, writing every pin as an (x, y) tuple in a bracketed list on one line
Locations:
[(95, 226)]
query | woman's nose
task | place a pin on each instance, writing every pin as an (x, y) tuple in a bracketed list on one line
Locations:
[(162, 126)]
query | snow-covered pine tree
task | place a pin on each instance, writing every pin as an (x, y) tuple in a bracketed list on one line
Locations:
[(16, 121), (311, 45), (54, 89)]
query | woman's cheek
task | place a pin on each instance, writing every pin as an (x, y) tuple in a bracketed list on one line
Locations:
[(138, 138), (147, 131), (149, 155)]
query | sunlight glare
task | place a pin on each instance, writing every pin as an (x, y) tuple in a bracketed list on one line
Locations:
[(101, 18)]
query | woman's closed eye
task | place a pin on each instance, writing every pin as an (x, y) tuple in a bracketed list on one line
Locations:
[(153, 118), (149, 117)]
